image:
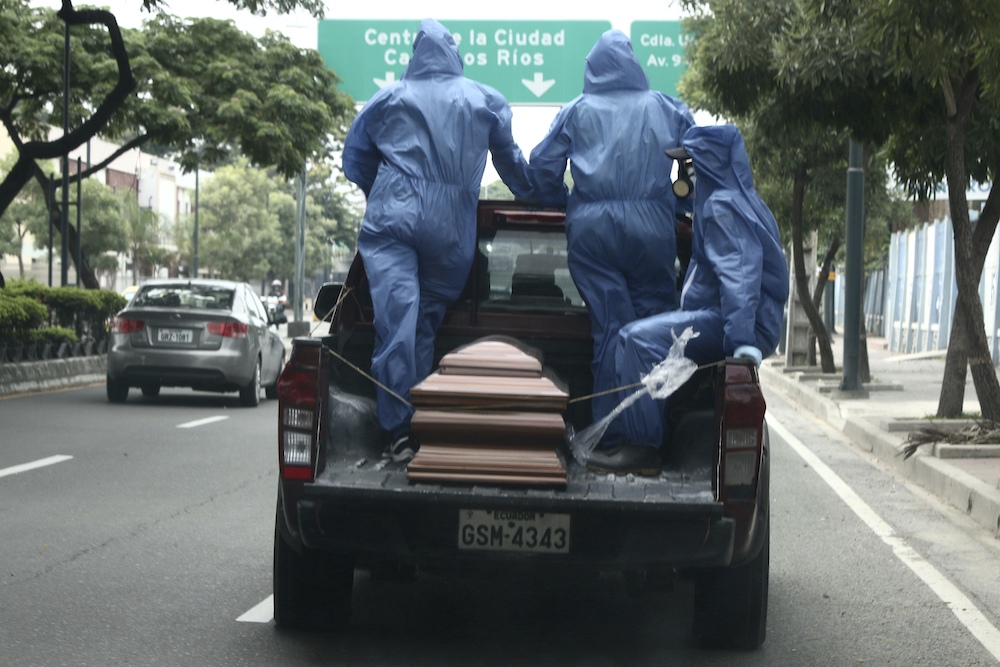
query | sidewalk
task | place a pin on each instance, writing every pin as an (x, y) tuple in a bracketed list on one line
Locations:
[(902, 395)]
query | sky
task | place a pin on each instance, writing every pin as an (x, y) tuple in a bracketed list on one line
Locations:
[(530, 122)]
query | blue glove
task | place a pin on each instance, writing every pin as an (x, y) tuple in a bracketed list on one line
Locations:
[(749, 352)]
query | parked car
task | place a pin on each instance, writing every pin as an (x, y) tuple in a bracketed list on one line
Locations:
[(209, 335)]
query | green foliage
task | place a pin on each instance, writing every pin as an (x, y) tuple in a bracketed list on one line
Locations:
[(27, 306), (19, 315), (259, 7), (205, 90), (54, 335), (206, 87), (236, 228), (800, 81), (104, 226), (26, 214)]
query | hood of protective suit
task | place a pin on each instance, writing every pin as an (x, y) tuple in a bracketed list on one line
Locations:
[(721, 164), (612, 65), (737, 260), (434, 52)]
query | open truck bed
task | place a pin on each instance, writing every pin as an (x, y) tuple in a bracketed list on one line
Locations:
[(342, 504)]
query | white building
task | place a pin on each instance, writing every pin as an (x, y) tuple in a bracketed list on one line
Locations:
[(157, 184)]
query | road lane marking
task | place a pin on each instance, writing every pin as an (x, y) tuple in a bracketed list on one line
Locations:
[(963, 608), (261, 613), (40, 463), (202, 422)]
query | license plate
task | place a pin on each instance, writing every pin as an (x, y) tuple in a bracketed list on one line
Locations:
[(513, 530), (174, 336)]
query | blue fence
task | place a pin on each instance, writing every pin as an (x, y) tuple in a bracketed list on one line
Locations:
[(912, 302)]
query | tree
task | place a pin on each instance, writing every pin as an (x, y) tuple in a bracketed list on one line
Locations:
[(198, 86), (25, 214), (331, 220), (918, 78), (734, 73), (104, 226), (327, 187), (237, 230), (142, 237), (939, 64)]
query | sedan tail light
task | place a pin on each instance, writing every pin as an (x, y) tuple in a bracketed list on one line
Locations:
[(229, 329), (126, 325)]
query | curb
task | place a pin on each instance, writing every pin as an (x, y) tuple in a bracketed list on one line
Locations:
[(979, 500), (29, 376)]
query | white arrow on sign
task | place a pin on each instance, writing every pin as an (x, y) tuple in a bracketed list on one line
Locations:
[(390, 77), (538, 85)]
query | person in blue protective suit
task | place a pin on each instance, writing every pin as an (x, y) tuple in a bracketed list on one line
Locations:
[(734, 293), (620, 215), (418, 150)]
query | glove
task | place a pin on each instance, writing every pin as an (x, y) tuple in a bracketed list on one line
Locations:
[(749, 352)]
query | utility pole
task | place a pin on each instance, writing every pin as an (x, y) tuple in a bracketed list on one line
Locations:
[(79, 219), (853, 270), (197, 172), (300, 244), (64, 255)]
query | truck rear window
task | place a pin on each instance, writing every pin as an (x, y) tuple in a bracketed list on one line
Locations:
[(525, 269)]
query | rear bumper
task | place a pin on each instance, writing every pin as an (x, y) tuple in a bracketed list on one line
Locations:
[(224, 369), (423, 529)]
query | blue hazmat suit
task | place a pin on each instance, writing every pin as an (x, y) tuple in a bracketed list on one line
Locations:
[(620, 215), (418, 150), (736, 285)]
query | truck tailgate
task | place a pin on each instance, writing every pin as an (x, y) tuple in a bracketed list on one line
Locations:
[(372, 510)]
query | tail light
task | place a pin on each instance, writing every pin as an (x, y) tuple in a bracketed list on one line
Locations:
[(229, 329), (742, 433), (299, 411), (125, 325)]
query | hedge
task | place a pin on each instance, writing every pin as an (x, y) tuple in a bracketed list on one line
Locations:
[(32, 312)]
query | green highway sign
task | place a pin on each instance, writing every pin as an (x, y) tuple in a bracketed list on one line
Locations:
[(530, 62), (659, 46)]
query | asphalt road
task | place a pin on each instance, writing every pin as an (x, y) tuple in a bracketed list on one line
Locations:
[(151, 545)]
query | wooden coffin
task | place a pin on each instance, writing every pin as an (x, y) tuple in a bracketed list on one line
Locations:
[(491, 357), (489, 391), (486, 426), (489, 415)]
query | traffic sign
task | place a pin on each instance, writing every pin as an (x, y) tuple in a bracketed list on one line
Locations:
[(530, 62), (659, 46)]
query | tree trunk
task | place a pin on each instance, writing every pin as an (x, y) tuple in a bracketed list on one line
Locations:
[(823, 338), (802, 280), (87, 278), (955, 367), (968, 344), (31, 152)]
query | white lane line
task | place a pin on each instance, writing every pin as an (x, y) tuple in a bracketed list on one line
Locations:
[(262, 613), (40, 463), (963, 608), (202, 422)]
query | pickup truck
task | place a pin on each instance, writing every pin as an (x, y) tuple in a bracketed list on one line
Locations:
[(342, 504)]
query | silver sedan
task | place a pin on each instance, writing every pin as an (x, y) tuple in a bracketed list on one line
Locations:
[(209, 335)]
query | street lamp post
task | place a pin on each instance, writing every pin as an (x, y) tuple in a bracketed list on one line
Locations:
[(197, 171), (64, 254)]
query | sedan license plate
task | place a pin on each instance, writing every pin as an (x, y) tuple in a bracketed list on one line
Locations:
[(174, 336), (513, 530)]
